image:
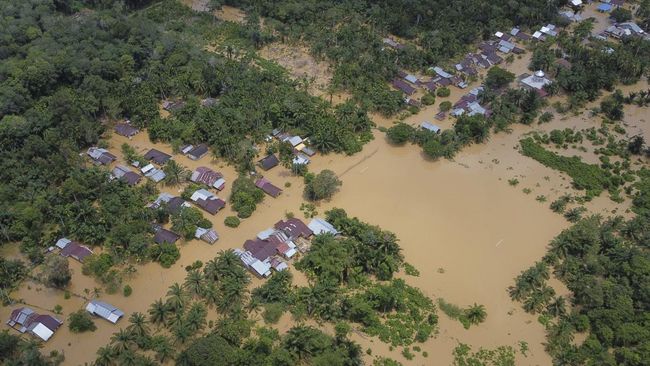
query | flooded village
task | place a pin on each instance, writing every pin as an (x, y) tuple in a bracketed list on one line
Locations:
[(461, 223)]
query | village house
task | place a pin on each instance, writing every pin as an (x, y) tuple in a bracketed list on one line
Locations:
[(300, 159), (430, 127), (293, 228), (268, 187), (268, 162), (171, 204), (173, 106), (259, 268), (126, 130), (151, 172), (197, 152), (207, 235), (165, 236), (27, 320), (73, 249), (209, 177), (101, 156), (104, 310), (319, 226), (157, 156), (208, 201), (517, 33), (403, 86), (125, 174)]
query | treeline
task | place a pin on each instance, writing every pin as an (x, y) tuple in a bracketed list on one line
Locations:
[(604, 263), (349, 34)]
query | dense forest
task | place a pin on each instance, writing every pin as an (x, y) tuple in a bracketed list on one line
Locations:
[(350, 33), (65, 78)]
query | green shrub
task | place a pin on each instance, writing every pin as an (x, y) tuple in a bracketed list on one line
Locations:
[(127, 291), (232, 221), (272, 312), (80, 321), (443, 92), (400, 133), (428, 99), (445, 106)]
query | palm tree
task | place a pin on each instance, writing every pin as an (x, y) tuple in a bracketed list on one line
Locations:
[(476, 314), (194, 283), (128, 358), (176, 297), (121, 341), (138, 326), (557, 307), (211, 294), (182, 332), (196, 317), (105, 356), (158, 312), (163, 348), (174, 173)]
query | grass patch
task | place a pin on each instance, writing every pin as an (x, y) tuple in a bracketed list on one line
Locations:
[(585, 176)]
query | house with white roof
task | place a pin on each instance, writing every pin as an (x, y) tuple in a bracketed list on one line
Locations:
[(320, 226), (104, 310)]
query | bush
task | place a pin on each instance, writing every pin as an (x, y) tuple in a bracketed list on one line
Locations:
[(272, 312), (245, 196), (127, 291), (400, 133), (232, 221), (80, 321), (56, 271), (546, 117), (443, 92), (428, 99), (166, 254), (445, 106)]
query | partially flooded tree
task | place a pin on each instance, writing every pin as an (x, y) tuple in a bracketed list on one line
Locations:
[(56, 272), (322, 186)]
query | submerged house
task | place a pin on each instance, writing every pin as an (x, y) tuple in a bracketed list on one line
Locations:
[(259, 268), (208, 177), (294, 228), (268, 162), (104, 310), (208, 201), (165, 236), (172, 204), (430, 127), (101, 156), (27, 320), (403, 86), (268, 187), (320, 226), (157, 156), (125, 174), (126, 130), (207, 235), (73, 249), (197, 152)]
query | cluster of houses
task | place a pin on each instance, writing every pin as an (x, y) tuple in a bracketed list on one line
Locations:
[(625, 30), (273, 247), (173, 205), (43, 326), (469, 104), (301, 150)]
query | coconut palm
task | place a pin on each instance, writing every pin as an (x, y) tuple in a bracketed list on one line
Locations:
[(196, 317), (476, 314), (128, 358), (158, 312), (163, 348), (138, 326), (122, 341), (211, 294), (182, 332), (105, 356), (174, 173), (176, 297), (557, 307), (194, 283)]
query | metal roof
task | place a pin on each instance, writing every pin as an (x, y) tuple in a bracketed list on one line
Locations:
[(104, 310)]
